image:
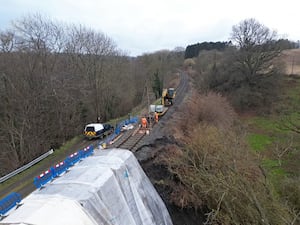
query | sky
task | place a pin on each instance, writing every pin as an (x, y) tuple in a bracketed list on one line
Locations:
[(146, 26)]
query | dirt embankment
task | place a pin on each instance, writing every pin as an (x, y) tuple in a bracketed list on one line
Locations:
[(153, 146)]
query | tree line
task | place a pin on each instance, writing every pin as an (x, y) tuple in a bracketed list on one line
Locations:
[(56, 77), (248, 71), (194, 49)]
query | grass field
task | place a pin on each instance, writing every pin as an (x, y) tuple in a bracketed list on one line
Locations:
[(278, 146), (292, 60)]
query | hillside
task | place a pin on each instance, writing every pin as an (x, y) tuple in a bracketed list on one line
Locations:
[(226, 168), (291, 58), (217, 165)]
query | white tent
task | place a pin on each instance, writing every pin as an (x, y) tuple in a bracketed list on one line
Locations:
[(107, 188)]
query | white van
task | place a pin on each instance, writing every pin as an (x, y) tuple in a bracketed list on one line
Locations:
[(97, 130)]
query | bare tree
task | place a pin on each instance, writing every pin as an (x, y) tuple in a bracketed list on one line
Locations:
[(247, 70), (29, 55), (54, 78), (257, 49), (6, 41), (92, 51)]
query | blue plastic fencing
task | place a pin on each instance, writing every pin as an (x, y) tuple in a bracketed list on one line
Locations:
[(43, 178), (74, 158), (61, 167), (9, 201), (87, 151), (119, 126)]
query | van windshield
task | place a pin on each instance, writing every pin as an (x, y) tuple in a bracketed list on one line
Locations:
[(89, 129)]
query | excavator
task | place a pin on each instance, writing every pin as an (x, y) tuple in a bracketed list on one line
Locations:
[(168, 96), (167, 99)]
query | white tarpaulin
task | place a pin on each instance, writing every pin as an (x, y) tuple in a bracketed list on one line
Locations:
[(108, 188)]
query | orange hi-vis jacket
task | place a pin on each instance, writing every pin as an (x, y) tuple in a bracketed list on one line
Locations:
[(144, 122), (156, 117)]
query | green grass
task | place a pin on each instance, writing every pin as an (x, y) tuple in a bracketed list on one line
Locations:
[(267, 124), (57, 153), (270, 164), (275, 172), (20, 176), (293, 94), (259, 142), (269, 132), (66, 146)]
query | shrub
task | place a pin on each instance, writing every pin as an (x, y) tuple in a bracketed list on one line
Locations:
[(210, 108), (216, 171), (290, 190)]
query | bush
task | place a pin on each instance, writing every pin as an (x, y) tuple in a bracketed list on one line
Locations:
[(246, 89), (290, 190), (213, 171), (210, 108), (216, 171)]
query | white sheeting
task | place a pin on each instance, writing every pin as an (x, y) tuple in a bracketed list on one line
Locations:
[(108, 188)]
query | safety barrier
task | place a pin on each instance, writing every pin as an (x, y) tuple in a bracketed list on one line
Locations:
[(119, 126), (21, 169), (43, 178), (62, 167), (87, 151), (74, 158), (59, 168), (9, 201)]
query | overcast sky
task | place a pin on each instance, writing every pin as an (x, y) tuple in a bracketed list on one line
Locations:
[(144, 26)]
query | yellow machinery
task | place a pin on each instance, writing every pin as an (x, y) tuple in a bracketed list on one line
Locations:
[(168, 96)]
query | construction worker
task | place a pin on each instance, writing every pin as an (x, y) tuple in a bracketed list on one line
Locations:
[(144, 122), (156, 117)]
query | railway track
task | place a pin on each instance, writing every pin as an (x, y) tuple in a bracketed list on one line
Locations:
[(131, 140)]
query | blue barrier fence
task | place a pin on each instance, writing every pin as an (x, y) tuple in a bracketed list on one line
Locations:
[(43, 178), (9, 201), (62, 167), (119, 126), (87, 151), (59, 168), (74, 158), (13, 198)]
